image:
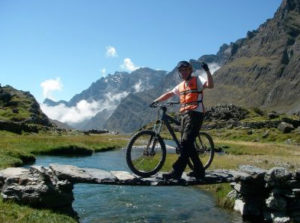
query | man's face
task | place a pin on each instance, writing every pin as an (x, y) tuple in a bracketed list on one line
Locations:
[(185, 72)]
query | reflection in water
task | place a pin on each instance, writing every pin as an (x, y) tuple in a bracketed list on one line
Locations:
[(111, 203)]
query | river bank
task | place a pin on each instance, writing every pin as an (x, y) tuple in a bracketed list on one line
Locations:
[(19, 150)]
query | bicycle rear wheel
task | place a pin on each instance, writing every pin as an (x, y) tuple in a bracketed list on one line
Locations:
[(146, 153), (205, 149)]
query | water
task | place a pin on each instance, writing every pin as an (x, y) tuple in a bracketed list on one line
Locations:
[(114, 204)]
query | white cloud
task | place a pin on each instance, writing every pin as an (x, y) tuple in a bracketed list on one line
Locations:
[(111, 51), (103, 71), (214, 67), (128, 65), (138, 86), (51, 85), (82, 111)]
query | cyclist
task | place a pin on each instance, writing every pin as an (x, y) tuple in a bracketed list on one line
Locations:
[(190, 91)]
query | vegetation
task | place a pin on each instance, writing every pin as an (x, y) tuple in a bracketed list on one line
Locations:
[(15, 149), (13, 213)]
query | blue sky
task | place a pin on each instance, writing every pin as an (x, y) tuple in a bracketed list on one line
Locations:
[(57, 48)]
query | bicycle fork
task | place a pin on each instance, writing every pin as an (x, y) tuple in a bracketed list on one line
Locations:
[(150, 149)]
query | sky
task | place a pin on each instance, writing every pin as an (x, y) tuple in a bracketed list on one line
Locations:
[(58, 48)]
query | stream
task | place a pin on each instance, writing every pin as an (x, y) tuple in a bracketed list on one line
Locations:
[(113, 204)]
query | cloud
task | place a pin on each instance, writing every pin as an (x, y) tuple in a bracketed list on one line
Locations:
[(213, 67), (103, 71), (51, 85), (138, 86), (111, 51), (128, 65), (83, 110)]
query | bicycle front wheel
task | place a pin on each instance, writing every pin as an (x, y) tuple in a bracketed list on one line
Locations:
[(205, 149), (146, 153)]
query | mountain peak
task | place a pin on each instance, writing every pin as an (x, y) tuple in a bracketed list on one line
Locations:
[(286, 7)]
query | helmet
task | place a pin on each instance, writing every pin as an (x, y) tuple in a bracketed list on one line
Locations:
[(183, 63)]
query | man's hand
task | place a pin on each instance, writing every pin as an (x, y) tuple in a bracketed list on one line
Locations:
[(204, 66), (153, 104)]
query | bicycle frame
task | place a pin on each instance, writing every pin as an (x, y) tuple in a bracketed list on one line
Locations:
[(166, 119)]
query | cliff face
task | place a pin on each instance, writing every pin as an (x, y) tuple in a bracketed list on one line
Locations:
[(263, 69)]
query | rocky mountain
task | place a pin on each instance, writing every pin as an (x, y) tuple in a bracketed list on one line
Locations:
[(260, 70), (263, 69), (19, 111), (109, 91), (133, 112)]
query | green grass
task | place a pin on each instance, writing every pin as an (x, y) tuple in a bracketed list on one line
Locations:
[(13, 213), (220, 191), (256, 135), (16, 149)]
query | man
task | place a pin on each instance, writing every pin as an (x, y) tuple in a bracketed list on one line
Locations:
[(190, 91)]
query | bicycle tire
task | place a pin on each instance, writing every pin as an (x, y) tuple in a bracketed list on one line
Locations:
[(137, 154), (206, 151)]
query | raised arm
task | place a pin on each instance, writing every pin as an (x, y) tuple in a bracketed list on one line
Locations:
[(210, 81)]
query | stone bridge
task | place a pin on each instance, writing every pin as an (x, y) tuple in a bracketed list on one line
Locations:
[(270, 195)]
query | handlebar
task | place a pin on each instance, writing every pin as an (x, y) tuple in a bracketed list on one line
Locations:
[(157, 105)]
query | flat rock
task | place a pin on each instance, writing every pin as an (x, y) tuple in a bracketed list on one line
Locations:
[(82, 175), (13, 172), (123, 175)]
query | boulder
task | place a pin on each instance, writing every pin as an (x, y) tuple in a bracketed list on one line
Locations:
[(285, 127), (277, 176), (273, 115), (38, 187), (276, 203)]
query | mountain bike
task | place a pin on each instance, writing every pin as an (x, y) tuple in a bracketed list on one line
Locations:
[(146, 150)]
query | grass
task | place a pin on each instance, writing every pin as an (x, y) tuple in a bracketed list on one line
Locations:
[(16, 149), (263, 135), (220, 192), (13, 213)]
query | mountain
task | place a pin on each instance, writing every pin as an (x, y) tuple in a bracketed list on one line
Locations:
[(107, 92), (19, 111), (260, 70), (133, 112), (263, 69)]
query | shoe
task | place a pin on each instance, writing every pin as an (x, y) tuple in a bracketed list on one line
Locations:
[(172, 175), (198, 176)]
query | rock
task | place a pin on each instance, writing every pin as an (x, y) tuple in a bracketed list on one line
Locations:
[(252, 170), (277, 176), (277, 217), (296, 192), (276, 203), (297, 130), (11, 172), (266, 134), (81, 175), (123, 176), (252, 209), (250, 132), (39, 188), (226, 112), (273, 115), (285, 127), (297, 174), (232, 195), (282, 220)]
